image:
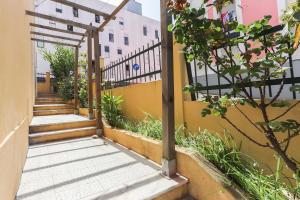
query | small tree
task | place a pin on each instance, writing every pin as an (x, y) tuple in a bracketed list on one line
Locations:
[(262, 59), (62, 61)]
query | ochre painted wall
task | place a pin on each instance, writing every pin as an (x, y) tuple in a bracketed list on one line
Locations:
[(16, 91)]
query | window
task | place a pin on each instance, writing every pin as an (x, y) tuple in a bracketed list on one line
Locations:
[(121, 23), (97, 18), (70, 27), (145, 32), (106, 49), (156, 34), (58, 10), (127, 68), (111, 37), (120, 51), (75, 12), (52, 24), (126, 40), (40, 44)]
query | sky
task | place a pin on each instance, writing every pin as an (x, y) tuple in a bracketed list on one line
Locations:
[(151, 8)]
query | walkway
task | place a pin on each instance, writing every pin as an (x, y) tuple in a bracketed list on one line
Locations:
[(88, 168)]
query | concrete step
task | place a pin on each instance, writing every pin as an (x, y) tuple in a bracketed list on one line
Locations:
[(53, 112), (47, 95), (49, 99), (60, 126), (155, 187), (43, 137), (52, 107)]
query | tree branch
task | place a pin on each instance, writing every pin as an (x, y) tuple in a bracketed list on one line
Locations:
[(285, 112)]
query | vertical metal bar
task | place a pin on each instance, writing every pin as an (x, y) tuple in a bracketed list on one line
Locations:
[(148, 53), (153, 50), (190, 79), (135, 63), (219, 81), (159, 57), (90, 75), (206, 80), (250, 81), (99, 125), (268, 71), (231, 63), (144, 63), (76, 108), (292, 71), (140, 65), (131, 68), (169, 153), (196, 76)]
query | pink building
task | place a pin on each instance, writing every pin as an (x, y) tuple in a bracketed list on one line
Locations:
[(247, 11)]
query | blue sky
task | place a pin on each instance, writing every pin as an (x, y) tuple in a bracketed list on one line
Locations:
[(150, 7)]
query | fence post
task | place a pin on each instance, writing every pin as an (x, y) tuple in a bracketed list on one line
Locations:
[(48, 82), (76, 111), (90, 75), (98, 84), (169, 153)]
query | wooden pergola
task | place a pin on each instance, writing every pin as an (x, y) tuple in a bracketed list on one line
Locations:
[(91, 33)]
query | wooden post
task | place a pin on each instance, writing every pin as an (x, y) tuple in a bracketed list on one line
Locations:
[(76, 111), (90, 75), (169, 153), (98, 83)]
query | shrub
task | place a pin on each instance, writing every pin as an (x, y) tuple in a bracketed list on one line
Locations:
[(61, 61), (82, 92), (111, 109), (66, 88)]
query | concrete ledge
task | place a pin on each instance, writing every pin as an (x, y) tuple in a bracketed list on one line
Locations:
[(205, 181)]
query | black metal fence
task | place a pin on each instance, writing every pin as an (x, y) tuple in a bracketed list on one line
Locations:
[(141, 66), (214, 84), (41, 77)]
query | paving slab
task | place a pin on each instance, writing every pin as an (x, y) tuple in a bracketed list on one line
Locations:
[(89, 168), (54, 119)]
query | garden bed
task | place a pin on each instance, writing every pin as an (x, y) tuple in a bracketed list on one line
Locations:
[(205, 181)]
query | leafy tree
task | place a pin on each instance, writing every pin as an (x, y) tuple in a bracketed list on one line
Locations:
[(61, 61), (258, 56)]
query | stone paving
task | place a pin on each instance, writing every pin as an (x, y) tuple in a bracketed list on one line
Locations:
[(88, 168)]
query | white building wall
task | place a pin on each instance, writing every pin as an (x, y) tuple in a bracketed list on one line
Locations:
[(133, 28)]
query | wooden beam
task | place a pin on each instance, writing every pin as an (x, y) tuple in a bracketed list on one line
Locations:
[(54, 36), (56, 29), (60, 20), (81, 7), (53, 42), (76, 107), (90, 74), (169, 153), (99, 124), (112, 15)]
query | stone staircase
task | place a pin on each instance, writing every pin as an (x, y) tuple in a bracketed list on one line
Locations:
[(51, 105), (55, 120)]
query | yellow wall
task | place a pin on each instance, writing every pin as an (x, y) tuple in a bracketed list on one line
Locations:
[(44, 87), (141, 98), (16, 91)]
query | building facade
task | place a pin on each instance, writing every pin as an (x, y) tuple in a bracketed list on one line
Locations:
[(128, 32)]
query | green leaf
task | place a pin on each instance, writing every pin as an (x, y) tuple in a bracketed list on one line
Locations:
[(205, 112), (295, 88)]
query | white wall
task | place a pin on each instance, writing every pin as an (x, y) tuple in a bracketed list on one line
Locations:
[(133, 28)]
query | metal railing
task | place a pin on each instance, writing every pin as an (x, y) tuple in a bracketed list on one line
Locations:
[(41, 77), (214, 84), (141, 66)]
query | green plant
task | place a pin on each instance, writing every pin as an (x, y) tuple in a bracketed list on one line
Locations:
[(207, 40), (82, 92), (62, 61), (111, 109), (66, 88), (226, 156)]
